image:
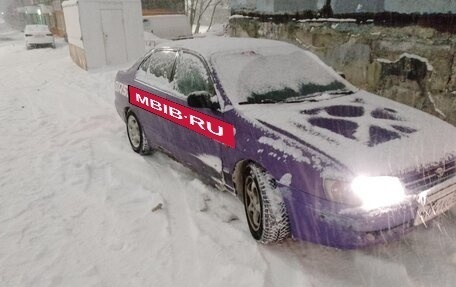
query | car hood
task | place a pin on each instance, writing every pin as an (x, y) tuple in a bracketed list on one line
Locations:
[(366, 133)]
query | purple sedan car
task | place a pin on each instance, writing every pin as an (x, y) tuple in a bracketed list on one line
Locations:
[(308, 154)]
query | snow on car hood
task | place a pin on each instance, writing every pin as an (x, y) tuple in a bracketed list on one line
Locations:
[(368, 134)]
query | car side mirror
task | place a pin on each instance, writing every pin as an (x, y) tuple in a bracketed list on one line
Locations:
[(202, 99)]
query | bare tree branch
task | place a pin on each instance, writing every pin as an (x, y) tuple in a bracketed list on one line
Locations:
[(196, 9), (213, 13)]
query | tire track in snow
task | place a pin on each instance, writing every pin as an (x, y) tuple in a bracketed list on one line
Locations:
[(209, 234), (182, 229)]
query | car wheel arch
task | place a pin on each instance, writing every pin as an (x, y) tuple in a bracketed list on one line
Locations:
[(238, 177), (126, 110), (239, 174)]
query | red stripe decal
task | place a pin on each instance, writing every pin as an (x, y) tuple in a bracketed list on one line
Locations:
[(193, 120)]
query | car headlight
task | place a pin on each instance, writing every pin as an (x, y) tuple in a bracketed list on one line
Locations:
[(365, 191), (378, 191), (340, 191)]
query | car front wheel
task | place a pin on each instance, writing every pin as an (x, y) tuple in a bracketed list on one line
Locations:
[(136, 135), (264, 207)]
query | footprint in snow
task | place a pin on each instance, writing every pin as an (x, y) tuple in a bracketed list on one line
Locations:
[(203, 202), (453, 259), (225, 215), (115, 244)]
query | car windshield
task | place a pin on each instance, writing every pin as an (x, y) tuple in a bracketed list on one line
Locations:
[(271, 76)]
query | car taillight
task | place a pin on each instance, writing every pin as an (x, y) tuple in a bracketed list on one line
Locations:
[(28, 35)]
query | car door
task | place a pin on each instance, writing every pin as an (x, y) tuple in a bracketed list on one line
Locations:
[(153, 76), (191, 74)]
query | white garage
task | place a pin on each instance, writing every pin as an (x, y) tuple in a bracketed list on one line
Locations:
[(103, 32)]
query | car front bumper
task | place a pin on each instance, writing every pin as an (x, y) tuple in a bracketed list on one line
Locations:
[(323, 222)]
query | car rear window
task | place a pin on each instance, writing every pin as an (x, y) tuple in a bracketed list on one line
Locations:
[(36, 29)]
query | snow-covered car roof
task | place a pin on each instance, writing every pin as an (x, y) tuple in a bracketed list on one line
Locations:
[(209, 46)]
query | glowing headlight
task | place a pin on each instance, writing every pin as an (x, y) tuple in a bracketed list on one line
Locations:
[(378, 191), (367, 192)]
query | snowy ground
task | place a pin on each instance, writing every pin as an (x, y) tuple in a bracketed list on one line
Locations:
[(76, 203)]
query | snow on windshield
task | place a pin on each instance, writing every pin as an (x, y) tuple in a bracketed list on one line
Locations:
[(274, 75)]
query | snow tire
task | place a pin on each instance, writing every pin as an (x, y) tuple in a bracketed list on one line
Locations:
[(273, 225), (136, 135)]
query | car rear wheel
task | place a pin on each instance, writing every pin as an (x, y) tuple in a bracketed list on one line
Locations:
[(136, 135), (264, 207)]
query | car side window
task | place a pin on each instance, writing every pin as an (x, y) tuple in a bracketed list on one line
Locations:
[(157, 69), (191, 75)]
